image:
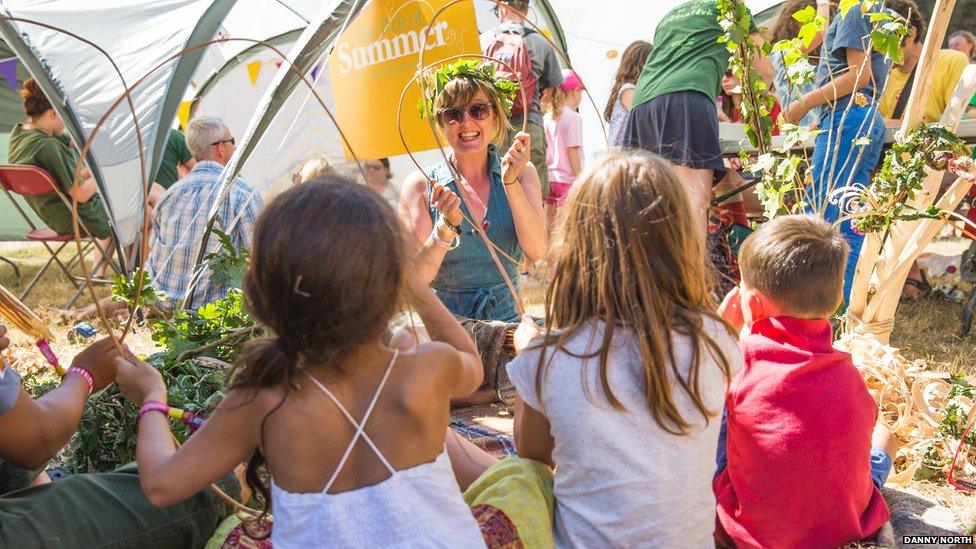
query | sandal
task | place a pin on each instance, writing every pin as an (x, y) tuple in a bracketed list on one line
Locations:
[(921, 284)]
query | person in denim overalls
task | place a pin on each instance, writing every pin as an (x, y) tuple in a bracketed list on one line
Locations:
[(850, 76), (502, 194)]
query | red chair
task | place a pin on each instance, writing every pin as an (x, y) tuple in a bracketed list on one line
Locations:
[(27, 181)]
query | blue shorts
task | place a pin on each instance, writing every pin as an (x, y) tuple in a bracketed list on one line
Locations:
[(880, 460), (880, 466)]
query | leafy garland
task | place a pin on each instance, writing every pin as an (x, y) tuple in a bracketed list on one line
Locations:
[(435, 82)]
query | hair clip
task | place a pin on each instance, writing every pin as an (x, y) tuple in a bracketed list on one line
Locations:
[(297, 290)]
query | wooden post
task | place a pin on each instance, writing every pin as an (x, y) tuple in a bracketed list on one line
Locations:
[(880, 289)]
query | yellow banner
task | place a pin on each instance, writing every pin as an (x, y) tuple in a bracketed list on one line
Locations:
[(377, 56)]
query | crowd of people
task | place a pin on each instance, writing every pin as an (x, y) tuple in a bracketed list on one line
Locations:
[(648, 411)]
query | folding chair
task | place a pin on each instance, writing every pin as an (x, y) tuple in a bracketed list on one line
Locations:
[(13, 265), (27, 181)]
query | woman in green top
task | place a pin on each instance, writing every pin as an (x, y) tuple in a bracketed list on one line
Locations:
[(673, 109), (41, 142)]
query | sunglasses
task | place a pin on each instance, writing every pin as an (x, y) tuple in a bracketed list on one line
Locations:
[(222, 141), (454, 115)]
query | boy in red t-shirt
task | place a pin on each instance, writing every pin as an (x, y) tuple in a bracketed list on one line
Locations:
[(804, 458)]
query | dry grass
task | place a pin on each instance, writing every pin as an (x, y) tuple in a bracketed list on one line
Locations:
[(929, 330)]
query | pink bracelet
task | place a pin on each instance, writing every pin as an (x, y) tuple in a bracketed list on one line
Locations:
[(84, 373), (153, 406)]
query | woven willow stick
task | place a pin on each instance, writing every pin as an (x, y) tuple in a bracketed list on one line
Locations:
[(23, 318)]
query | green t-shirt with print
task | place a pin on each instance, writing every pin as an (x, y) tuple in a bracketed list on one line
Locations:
[(175, 153), (56, 155), (686, 54)]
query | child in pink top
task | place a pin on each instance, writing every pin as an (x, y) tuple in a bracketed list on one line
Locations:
[(806, 457), (564, 134)]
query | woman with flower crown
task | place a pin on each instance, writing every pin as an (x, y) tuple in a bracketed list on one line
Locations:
[(498, 191)]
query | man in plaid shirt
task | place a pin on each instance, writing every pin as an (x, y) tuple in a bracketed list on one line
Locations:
[(180, 218)]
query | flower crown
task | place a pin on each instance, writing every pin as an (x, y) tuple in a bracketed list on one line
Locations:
[(434, 83)]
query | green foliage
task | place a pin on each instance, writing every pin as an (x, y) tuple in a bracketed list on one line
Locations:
[(197, 347), (227, 265), (782, 174), (124, 289), (434, 83), (757, 102), (902, 175)]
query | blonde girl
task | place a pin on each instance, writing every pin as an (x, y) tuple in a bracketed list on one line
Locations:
[(623, 389)]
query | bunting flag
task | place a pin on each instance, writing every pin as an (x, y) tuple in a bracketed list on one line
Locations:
[(277, 64), (315, 72), (253, 68), (183, 113), (8, 69)]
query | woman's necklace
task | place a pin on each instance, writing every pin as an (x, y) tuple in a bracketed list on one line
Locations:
[(485, 224)]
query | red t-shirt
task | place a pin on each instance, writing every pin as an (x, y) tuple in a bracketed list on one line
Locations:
[(799, 440)]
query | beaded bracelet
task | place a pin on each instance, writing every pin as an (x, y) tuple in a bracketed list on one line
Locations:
[(452, 226), (84, 373)]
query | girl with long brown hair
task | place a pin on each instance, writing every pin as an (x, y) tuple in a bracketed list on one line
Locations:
[(351, 431), (618, 105), (623, 389)]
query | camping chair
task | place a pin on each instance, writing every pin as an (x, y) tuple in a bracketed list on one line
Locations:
[(26, 180), (16, 269)]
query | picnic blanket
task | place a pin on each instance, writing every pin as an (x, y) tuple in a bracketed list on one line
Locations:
[(490, 427)]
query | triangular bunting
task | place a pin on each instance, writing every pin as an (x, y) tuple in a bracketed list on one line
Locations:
[(315, 72), (183, 113), (8, 68), (277, 64), (253, 68)]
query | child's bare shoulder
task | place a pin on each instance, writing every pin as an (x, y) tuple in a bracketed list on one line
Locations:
[(252, 400), (432, 361)]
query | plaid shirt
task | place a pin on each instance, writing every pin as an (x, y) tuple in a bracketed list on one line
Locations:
[(178, 225)]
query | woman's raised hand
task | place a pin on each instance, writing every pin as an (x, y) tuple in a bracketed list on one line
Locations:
[(447, 203), (516, 158)]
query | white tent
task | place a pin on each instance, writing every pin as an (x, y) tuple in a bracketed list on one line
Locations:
[(141, 34), (593, 35)]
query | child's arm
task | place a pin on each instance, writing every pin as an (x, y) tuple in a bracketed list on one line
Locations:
[(532, 434), (627, 98), (227, 439), (456, 350), (854, 79), (575, 155), (32, 432)]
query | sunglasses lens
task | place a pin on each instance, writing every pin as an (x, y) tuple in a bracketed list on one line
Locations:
[(479, 111), (451, 115)]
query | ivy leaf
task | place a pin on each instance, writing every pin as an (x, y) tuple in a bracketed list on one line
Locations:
[(806, 15), (846, 5)]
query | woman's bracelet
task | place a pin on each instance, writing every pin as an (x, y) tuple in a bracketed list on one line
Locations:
[(446, 245), (512, 183), (84, 373), (153, 406), (452, 226)]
